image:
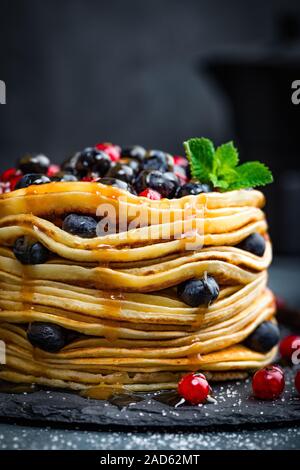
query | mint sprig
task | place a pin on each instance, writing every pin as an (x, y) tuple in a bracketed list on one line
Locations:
[(220, 167)]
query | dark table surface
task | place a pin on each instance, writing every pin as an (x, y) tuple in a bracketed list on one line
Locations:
[(285, 281)]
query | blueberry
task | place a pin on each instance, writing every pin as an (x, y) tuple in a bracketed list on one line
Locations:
[(101, 163), (157, 160), (34, 163), (30, 253), (164, 184), (132, 163), (117, 184), (255, 243), (192, 188), (121, 172), (81, 225), (264, 338), (32, 179), (196, 292), (172, 177), (135, 151), (85, 160), (47, 336)]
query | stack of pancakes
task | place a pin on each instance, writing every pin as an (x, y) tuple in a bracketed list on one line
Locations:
[(118, 291)]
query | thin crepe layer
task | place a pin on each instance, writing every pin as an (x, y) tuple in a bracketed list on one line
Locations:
[(52, 199), (25, 361), (229, 265)]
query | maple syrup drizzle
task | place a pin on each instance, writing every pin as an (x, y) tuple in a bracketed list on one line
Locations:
[(125, 399), (26, 291), (101, 393), (170, 398)]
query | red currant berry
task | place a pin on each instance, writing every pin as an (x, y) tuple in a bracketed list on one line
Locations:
[(14, 181), (268, 383), (150, 194), (113, 151), (179, 160), (53, 170), (88, 179), (9, 174), (297, 381), (288, 346), (194, 388)]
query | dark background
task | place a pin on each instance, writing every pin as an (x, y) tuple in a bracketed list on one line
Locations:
[(156, 72)]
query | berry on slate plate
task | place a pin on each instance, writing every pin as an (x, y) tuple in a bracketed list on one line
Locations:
[(255, 244), (196, 292), (263, 338), (297, 381), (150, 194), (194, 388), (113, 151), (288, 346), (268, 383)]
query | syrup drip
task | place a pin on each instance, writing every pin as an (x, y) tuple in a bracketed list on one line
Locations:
[(124, 400), (27, 291), (170, 398)]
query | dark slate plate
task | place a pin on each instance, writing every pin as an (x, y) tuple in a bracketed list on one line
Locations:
[(234, 407)]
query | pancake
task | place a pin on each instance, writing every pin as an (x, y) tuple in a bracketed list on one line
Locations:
[(117, 293)]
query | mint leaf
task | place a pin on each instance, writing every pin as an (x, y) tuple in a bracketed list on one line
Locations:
[(220, 167), (200, 152), (218, 183), (251, 174), (226, 156)]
